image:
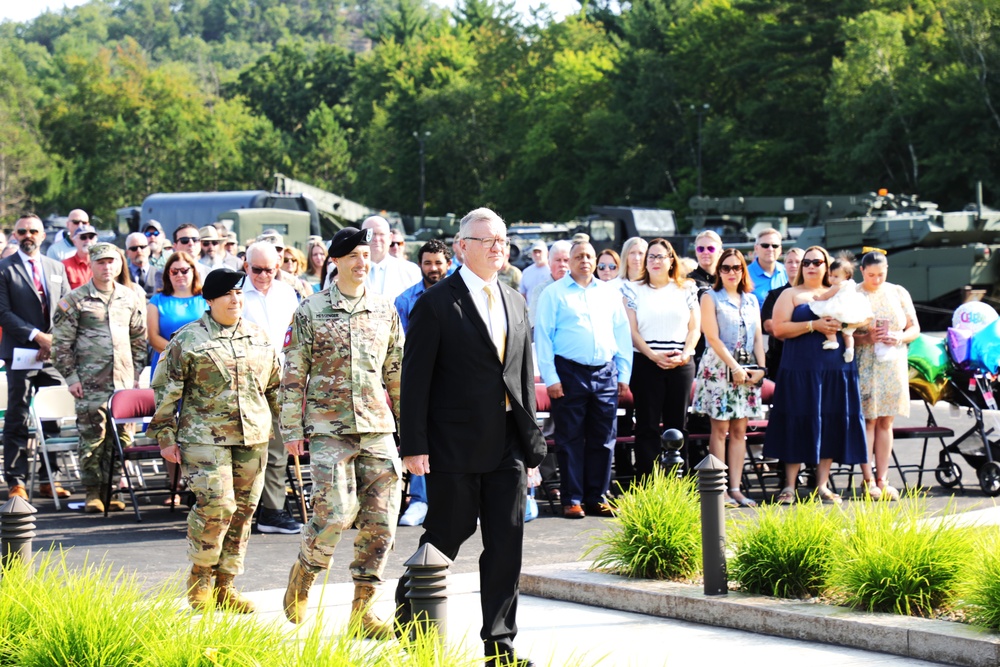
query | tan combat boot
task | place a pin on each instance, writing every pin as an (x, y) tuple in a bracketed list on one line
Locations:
[(300, 580), (364, 617), (116, 504), (199, 586), (228, 598), (93, 504)]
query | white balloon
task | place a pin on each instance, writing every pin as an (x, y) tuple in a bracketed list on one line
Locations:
[(973, 316)]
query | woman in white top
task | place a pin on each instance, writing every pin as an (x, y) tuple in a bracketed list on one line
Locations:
[(662, 307)]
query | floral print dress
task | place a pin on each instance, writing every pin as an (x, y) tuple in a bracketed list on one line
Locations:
[(885, 383), (715, 394)]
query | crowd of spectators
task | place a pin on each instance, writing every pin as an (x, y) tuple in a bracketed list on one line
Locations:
[(639, 329)]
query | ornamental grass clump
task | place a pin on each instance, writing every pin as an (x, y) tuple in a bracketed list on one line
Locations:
[(786, 553), (656, 532), (92, 616), (980, 591), (893, 559)]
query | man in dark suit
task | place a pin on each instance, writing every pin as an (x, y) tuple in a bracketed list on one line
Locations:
[(30, 289), (468, 421)]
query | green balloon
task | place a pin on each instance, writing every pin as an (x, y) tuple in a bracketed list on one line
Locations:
[(929, 357)]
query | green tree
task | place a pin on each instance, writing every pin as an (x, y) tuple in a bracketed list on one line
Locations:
[(23, 163)]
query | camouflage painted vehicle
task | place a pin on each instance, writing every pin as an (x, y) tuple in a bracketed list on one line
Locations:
[(941, 258)]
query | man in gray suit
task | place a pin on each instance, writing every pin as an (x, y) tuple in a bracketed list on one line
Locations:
[(30, 289)]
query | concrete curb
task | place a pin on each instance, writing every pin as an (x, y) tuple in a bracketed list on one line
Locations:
[(924, 639)]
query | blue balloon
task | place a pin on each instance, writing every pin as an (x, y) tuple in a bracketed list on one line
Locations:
[(984, 350)]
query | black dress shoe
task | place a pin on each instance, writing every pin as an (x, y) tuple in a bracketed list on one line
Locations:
[(599, 509)]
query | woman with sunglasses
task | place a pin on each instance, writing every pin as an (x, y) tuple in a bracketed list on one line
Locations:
[(607, 267), (816, 416), (728, 392), (662, 308), (179, 303)]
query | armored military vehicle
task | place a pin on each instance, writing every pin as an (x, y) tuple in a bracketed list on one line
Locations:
[(942, 258)]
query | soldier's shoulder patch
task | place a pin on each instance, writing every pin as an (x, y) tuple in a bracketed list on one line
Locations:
[(63, 305), (288, 336)]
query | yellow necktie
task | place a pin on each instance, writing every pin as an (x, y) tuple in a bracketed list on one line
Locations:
[(497, 333)]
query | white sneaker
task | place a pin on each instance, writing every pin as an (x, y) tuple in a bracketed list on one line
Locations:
[(414, 515)]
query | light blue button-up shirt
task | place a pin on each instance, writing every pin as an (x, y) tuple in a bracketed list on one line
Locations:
[(763, 283), (587, 325)]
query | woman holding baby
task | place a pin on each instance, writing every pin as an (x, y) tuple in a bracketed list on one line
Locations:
[(816, 415), (882, 367)]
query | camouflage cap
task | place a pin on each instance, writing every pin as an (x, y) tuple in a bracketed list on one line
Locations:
[(221, 281), (100, 251), (347, 239)]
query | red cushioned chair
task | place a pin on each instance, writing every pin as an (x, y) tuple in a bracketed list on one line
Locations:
[(134, 406)]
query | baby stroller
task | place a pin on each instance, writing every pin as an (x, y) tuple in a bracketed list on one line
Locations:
[(973, 391)]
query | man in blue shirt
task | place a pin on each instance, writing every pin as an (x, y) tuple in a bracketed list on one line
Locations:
[(433, 257), (583, 345), (765, 271)]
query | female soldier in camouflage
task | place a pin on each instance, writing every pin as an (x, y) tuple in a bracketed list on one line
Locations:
[(225, 375)]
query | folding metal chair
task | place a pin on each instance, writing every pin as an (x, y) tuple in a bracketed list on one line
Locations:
[(134, 406), (53, 404)]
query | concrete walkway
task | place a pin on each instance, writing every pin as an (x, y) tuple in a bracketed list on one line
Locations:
[(564, 634)]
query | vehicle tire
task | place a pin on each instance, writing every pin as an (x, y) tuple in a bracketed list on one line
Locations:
[(989, 478), (948, 474)]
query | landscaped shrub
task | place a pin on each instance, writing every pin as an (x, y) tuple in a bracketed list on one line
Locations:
[(892, 559), (54, 616), (786, 553), (656, 533), (980, 590)]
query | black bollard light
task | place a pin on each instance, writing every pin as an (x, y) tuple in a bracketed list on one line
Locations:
[(712, 476), (427, 581), (17, 529), (671, 443)]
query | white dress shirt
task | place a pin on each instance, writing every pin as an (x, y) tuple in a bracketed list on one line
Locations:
[(393, 276), (272, 312)]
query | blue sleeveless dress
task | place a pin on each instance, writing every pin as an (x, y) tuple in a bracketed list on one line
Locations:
[(816, 412)]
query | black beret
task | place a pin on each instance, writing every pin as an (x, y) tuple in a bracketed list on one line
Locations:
[(347, 239), (221, 281)]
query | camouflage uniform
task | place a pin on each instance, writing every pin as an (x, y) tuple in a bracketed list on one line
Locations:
[(98, 340), (226, 380), (340, 361)]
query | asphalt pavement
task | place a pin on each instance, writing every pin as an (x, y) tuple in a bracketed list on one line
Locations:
[(155, 548)]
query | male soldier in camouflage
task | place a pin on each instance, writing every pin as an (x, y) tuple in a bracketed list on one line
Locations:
[(99, 345), (225, 374), (342, 354)]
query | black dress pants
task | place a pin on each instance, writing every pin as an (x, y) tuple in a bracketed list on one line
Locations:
[(660, 397), (21, 386), (497, 499)]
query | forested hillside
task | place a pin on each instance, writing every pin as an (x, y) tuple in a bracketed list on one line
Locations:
[(105, 103)]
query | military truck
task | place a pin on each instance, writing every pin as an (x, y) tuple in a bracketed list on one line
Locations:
[(326, 212), (941, 258)]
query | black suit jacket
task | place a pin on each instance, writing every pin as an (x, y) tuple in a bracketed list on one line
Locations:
[(454, 385), (20, 310)]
